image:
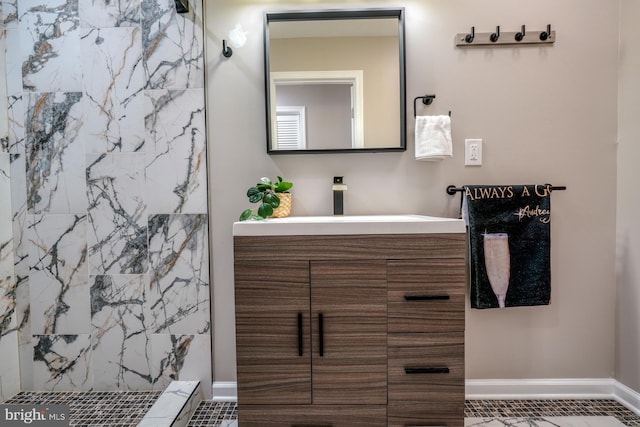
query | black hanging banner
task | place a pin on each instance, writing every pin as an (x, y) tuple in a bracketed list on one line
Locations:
[(510, 246)]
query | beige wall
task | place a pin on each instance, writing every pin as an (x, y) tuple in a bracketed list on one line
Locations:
[(546, 114), (628, 266)]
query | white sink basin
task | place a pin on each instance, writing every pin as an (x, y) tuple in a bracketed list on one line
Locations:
[(357, 224)]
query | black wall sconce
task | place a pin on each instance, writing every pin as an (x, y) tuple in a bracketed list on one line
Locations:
[(182, 6)]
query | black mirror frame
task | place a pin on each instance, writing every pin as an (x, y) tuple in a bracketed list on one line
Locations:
[(332, 15)]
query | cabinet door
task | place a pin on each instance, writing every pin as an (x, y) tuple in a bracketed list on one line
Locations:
[(349, 332), (272, 332)]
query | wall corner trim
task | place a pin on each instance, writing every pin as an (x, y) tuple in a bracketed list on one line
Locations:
[(225, 391)]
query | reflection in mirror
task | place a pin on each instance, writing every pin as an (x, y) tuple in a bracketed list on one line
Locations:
[(335, 81)]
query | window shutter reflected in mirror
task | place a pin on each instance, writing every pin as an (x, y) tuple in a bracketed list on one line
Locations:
[(291, 128)]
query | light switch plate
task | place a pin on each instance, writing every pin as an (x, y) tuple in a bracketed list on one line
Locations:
[(473, 152)]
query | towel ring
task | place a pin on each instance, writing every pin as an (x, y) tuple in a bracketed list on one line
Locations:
[(426, 100)]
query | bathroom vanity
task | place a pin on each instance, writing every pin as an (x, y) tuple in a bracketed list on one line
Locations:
[(350, 321)]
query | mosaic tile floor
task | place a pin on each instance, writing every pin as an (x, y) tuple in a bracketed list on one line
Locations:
[(119, 409), (93, 408), (551, 408), (210, 414)]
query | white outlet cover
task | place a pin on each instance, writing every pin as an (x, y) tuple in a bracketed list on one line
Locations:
[(473, 152)]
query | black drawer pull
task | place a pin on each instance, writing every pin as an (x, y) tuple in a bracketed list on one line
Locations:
[(299, 334), (321, 334), (409, 371), (426, 297)]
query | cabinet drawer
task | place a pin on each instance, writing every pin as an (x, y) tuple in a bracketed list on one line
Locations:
[(426, 375), (312, 416), (426, 295), (421, 361)]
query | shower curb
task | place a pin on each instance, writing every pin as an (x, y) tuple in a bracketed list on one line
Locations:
[(175, 406)]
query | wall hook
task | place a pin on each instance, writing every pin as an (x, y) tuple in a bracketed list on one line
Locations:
[(519, 36), (226, 50), (546, 34), (495, 36), (469, 37)]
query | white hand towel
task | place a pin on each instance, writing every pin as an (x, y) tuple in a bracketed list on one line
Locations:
[(433, 137)]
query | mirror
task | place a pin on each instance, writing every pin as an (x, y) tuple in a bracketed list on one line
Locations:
[(335, 81)]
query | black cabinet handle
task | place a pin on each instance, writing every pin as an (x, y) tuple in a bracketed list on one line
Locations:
[(425, 297), (410, 371), (299, 334), (321, 334)]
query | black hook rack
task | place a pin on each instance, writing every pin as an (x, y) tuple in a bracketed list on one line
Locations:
[(452, 189), (505, 38)]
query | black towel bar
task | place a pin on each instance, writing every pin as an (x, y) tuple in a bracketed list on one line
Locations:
[(452, 189)]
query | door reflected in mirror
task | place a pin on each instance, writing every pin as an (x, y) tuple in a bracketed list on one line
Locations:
[(335, 81)]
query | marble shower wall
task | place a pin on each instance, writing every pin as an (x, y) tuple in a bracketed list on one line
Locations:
[(107, 150), (9, 377)]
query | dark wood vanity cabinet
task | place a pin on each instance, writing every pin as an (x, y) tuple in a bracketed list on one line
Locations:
[(350, 330)]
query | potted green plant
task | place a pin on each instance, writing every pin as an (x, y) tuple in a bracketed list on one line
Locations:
[(274, 199)]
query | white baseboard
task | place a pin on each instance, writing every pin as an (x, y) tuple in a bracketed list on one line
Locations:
[(573, 388), (628, 397), (225, 391)]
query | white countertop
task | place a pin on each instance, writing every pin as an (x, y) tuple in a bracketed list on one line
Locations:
[(356, 224)]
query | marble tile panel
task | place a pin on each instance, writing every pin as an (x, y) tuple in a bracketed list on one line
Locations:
[(113, 100), (9, 13), (179, 294), (15, 125), (173, 45), (176, 141), (109, 13), (19, 214), (59, 274), (9, 368), (14, 59), (180, 357), (120, 344), (7, 276), (117, 214), (21, 267), (54, 154), (61, 362), (4, 127), (25, 339), (50, 45)]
